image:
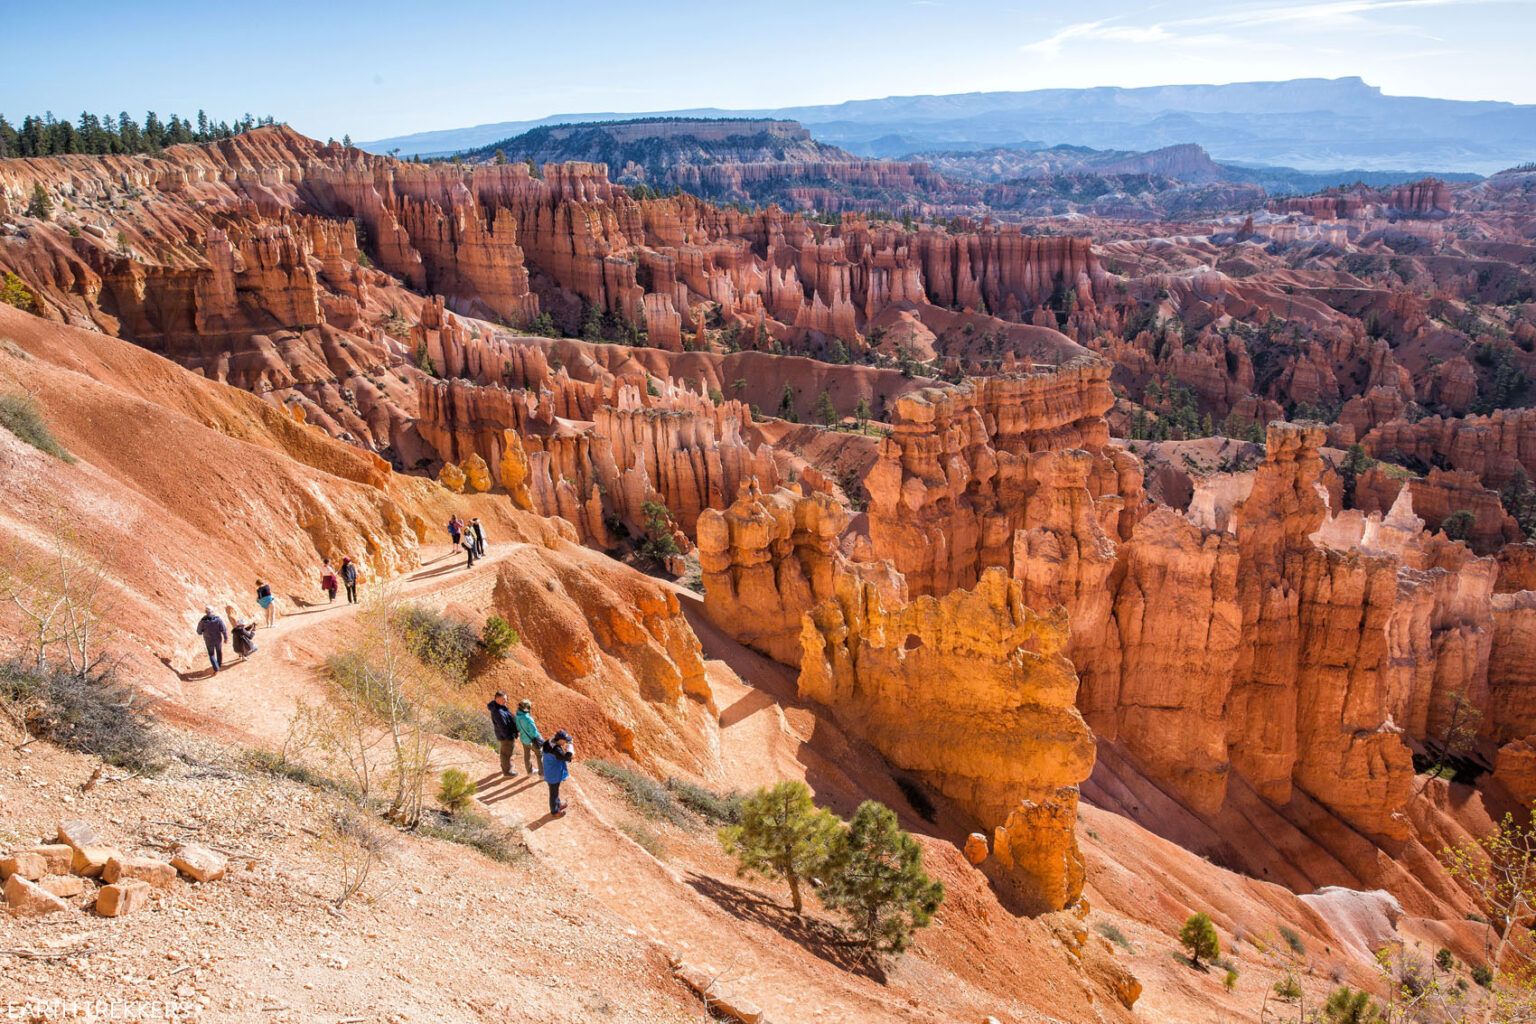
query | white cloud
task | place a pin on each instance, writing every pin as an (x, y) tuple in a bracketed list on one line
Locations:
[(1246, 24)]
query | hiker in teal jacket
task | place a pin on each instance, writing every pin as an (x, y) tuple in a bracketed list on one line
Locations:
[(533, 740)]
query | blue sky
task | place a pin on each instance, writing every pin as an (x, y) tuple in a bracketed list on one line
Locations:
[(389, 67)]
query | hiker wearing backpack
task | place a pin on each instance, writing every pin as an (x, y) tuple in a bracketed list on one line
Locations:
[(533, 740), (454, 528), (267, 601), (328, 581), (213, 631), (558, 753), (349, 577)]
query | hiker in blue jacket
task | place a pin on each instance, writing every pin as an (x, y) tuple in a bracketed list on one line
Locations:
[(558, 753), (533, 740)]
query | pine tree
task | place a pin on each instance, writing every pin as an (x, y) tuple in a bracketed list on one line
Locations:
[(782, 834), (40, 205), (592, 324), (501, 156), (861, 411), (1199, 937), (787, 404), (346, 141), (10, 142), (875, 876), (826, 412)]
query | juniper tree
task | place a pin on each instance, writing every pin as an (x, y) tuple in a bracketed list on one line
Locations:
[(1199, 937)]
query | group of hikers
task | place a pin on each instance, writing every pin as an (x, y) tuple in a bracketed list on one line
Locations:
[(470, 536), (212, 628), (214, 631), (550, 758)]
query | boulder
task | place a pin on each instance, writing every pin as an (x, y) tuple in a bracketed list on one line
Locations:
[(91, 861), (76, 834), (157, 873), (125, 897), (63, 886), (28, 899), (31, 866), (59, 857), (199, 864), (976, 847)]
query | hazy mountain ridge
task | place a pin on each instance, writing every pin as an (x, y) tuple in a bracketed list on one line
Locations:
[(1309, 124)]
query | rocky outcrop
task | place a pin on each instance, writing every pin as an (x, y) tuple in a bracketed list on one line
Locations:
[(1001, 733), (1492, 447), (767, 560)]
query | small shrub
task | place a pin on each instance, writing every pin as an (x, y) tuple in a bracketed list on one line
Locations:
[(1348, 1006), (1445, 960), (646, 839), (455, 790), (1288, 988), (1458, 525), (722, 808), (1112, 932), (22, 416), (917, 799), (14, 292), (497, 841), (498, 637), (1482, 974), (94, 714), (645, 794), (442, 642), (471, 726), (1229, 980), (1293, 940), (1199, 937)]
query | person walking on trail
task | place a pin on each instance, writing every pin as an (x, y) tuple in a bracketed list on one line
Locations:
[(469, 550), (328, 581), (213, 631), (532, 739), (505, 727), (454, 528), (267, 601), (349, 577), (478, 532), (558, 753), (244, 636)]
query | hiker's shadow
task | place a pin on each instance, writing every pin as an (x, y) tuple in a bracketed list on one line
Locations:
[(427, 574), (493, 794), (819, 937), (196, 675)]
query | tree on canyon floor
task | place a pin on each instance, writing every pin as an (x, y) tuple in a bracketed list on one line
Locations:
[(1199, 937), (1458, 525)]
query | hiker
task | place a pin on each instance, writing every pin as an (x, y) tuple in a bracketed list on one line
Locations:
[(328, 581), (245, 639), (505, 727), (213, 631), (349, 577), (478, 532), (453, 529), (533, 740), (558, 753), (469, 550), (266, 600)]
